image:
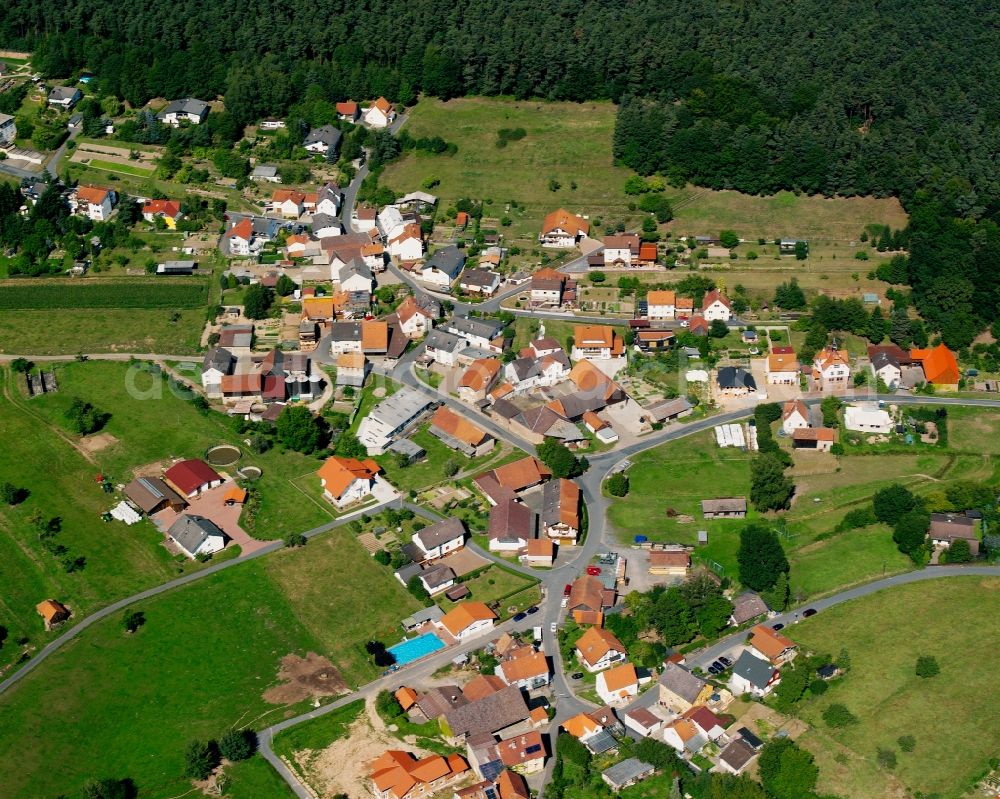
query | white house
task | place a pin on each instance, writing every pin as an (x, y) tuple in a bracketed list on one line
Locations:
[(437, 579), (563, 229), (753, 675), (782, 367), (832, 368), (479, 281), (867, 419), (621, 251), (440, 538), (347, 480), (288, 202), (65, 97), (715, 306), (597, 649), (241, 239), (414, 320), (443, 347), (408, 244), (596, 342), (94, 202), (390, 222), (887, 368), (216, 364), (443, 267), (196, 535), (661, 305), (528, 671), (356, 276), (643, 721), (186, 110), (8, 129), (618, 685), (467, 620), (322, 140), (379, 114), (328, 200), (794, 416)]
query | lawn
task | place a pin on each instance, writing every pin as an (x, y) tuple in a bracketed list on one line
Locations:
[(431, 469), (119, 560), (69, 331), (566, 142), (493, 584), (679, 474), (884, 634), (191, 670), (318, 733), (255, 779), (527, 330), (111, 166)]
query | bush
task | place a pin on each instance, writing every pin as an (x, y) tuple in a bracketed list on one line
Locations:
[(838, 715), (238, 744), (927, 666), (618, 484), (886, 758), (13, 495), (817, 687), (133, 620), (907, 743)]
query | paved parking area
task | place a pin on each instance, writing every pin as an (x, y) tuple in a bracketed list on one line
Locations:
[(212, 506)]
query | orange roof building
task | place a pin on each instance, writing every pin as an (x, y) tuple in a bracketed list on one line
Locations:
[(235, 496), (346, 480), (618, 683), (168, 208), (581, 726), (446, 424), (52, 612), (348, 109), (563, 228), (374, 336), (540, 550), (528, 671), (241, 230), (598, 648), (406, 697), (95, 195), (512, 785), (467, 619), (596, 341), (482, 686), (939, 364), (480, 375), (771, 644), (399, 775)]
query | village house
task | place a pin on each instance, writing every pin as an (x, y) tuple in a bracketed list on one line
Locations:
[(596, 342), (747, 606), (661, 305), (502, 713), (680, 690), (467, 620), (379, 114), (196, 536), (642, 721), (94, 202), (241, 239), (437, 579), (527, 671), (547, 287), (322, 140), (832, 369), (684, 736), (482, 334), (626, 773), (265, 173), (724, 508), (589, 730), (598, 649), (190, 478), (352, 369), (152, 494), (414, 320), (216, 364), (619, 684), (782, 367), (8, 129), (753, 675), (348, 111), (531, 371), (511, 479), (400, 775), (774, 646), (715, 306), (407, 244), (735, 758), (523, 754), (287, 202), (512, 525), (53, 613), (621, 251), (560, 516), (735, 381), (479, 281), (64, 97), (328, 200), (440, 539), (347, 480), (459, 433), (947, 528), (445, 348), (794, 416), (167, 210), (538, 552), (563, 229), (443, 267), (887, 363), (478, 379), (188, 110), (940, 367), (589, 598), (601, 429), (867, 418)]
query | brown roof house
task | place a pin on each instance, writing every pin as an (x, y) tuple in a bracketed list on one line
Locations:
[(478, 379), (459, 433), (771, 644), (561, 510), (151, 495), (598, 649), (946, 528), (680, 690), (724, 508), (747, 606), (512, 525), (588, 598), (512, 479), (492, 714)]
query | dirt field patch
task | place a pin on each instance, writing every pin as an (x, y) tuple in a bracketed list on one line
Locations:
[(96, 442), (342, 766), (303, 678)]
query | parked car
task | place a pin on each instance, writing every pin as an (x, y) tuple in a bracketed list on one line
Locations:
[(520, 617), (778, 626), (809, 612), (725, 661), (567, 589), (553, 627), (713, 669), (593, 571), (532, 609), (576, 675)]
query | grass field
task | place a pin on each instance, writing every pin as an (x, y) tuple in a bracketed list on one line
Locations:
[(128, 705), (136, 293), (680, 474), (568, 142), (255, 779), (318, 733), (955, 725), (492, 584), (111, 166)]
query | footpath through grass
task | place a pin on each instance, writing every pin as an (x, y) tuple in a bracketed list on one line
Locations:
[(951, 716)]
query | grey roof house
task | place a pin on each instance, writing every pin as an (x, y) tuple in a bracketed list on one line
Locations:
[(196, 535), (323, 139), (627, 772)]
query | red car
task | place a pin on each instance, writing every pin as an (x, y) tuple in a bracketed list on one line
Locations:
[(593, 571), (567, 590)]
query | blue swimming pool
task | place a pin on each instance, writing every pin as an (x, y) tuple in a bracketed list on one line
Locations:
[(416, 648)]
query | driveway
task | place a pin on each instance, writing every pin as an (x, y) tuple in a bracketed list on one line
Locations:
[(212, 506)]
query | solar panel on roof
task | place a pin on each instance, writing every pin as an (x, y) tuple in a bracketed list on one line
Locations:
[(601, 742), (490, 793), (491, 770), (533, 748)]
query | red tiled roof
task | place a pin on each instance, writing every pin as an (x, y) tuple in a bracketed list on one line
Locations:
[(191, 474)]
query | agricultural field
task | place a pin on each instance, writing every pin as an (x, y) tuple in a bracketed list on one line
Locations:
[(128, 169), (190, 672), (884, 634), (566, 142), (667, 484), (96, 293)]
